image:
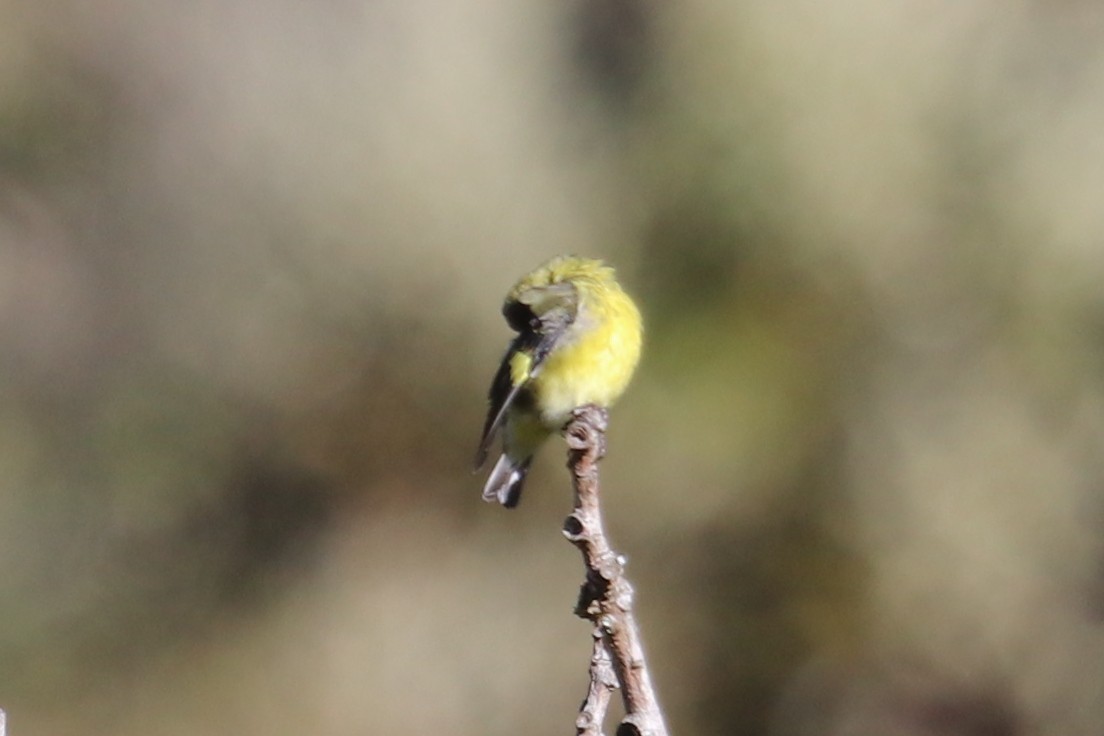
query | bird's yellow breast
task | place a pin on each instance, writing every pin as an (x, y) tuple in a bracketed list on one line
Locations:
[(594, 362)]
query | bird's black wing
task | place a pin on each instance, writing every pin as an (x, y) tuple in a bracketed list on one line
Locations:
[(537, 337), (502, 394)]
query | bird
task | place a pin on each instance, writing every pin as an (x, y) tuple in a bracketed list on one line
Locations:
[(578, 342)]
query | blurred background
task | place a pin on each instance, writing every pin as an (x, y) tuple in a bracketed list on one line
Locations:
[(252, 256)]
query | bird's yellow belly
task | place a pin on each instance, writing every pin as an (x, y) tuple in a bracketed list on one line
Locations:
[(594, 369)]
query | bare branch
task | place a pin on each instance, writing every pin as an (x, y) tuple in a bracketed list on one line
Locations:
[(603, 681), (606, 597)]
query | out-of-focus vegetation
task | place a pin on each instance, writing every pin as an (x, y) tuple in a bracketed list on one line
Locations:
[(251, 260)]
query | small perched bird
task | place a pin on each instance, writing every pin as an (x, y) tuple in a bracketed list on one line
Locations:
[(578, 343)]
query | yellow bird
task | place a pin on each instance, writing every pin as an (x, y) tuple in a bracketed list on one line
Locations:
[(578, 343)]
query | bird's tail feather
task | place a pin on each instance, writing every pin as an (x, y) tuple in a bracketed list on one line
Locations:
[(505, 482)]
